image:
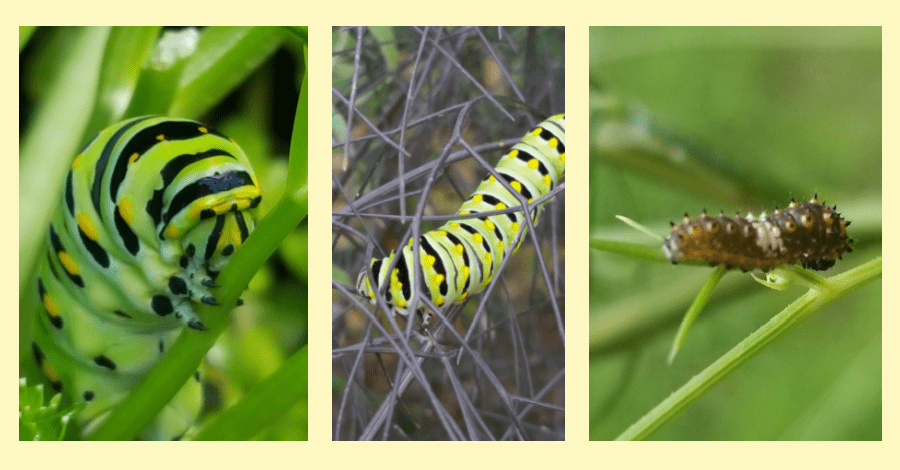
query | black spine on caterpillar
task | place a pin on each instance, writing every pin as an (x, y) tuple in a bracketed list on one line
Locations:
[(810, 233)]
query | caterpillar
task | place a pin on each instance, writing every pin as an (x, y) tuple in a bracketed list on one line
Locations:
[(152, 210), (810, 233), (461, 257)]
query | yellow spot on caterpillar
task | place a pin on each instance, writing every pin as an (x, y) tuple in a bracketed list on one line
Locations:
[(492, 179), (235, 236), (514, 227), (222, 208), (87, 226), (161, 137), (50, 372), (477, 198), (533, 163), (396, 285), (459, 248), (68, 263), (477, 238), (547, 180), (513, 153), (400, 303), (562, 157), (202, 129), (500, 206), (428, 261), (489, 224), (172, 232), (371, 292), (133, 158), (50, 306), (77, 162), (517, 186), (126, 210)]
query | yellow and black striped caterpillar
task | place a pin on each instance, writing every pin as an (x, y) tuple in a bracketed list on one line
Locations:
[(462, 256), (153, 209)]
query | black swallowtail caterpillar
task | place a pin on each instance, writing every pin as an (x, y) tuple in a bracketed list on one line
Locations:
[(152, 210), (810, 233), (461, 257)]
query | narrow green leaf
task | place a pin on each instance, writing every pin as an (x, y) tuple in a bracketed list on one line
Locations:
[(25, 33), (161, 74), (225, 57), (63, 114), (126, 53), (268, 400), (298, 170), (695, 309)]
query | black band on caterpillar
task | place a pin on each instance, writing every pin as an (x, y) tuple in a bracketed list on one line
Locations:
[(461, 257), (152, 210), (810, 233)]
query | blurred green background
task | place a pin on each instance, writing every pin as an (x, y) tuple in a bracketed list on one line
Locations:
[(738, 119)]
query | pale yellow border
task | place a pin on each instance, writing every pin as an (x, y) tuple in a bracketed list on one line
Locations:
[(577, 451)]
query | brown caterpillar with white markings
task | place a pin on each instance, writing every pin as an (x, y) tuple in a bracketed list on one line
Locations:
[(813, 234)]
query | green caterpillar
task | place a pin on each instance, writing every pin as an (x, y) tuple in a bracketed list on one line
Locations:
[(461, 257), (153, 209)]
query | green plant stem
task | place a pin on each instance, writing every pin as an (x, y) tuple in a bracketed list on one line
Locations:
[(225, 57), (695, 309), (264, 404), (126, 53), (71, 91), (298, 165), (810, 302), (650, 253)]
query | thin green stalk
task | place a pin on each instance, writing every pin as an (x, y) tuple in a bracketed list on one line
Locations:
[(298, 171), (61, 114), (264, 404), (225, 57), (695, 309), (629, 249), (810, 302)]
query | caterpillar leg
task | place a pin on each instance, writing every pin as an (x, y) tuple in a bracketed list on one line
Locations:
[(98, 389)]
